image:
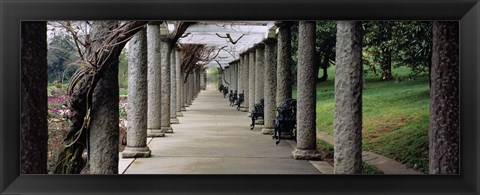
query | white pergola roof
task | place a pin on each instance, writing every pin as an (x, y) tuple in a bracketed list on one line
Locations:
[(205, 32)]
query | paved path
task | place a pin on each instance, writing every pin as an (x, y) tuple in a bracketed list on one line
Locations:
[(385, 164), (214, 138)]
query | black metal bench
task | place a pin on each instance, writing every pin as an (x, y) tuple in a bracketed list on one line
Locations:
[(256, 113), (225, 91), (232, 97), (220, 88), (239, 101), (286, 120)]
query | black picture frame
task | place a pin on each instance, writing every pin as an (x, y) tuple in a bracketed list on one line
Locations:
[(13, 12)]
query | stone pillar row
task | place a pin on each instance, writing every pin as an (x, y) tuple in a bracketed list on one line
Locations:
[(155, 88), (261, 74)]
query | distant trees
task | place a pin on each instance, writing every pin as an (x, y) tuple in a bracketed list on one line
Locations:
[(386, 45), (390, 44), (61, 53)]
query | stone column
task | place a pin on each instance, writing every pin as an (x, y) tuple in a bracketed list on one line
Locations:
[(245, 80), (202, 81), (195, 75), (165, 44), (236, 76), (137, 98), (173, 93), (307, 96), (251, 79), (259, 70), (185, 90), (284, 63), (347, 122), (199, 76), (270, 86), (191, 88), (179, 82), (154, 82), (234, 81), (227, 78), (259, 76), (220, 78), (240, 78)]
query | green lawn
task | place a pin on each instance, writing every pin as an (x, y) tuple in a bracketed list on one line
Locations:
[(395, 116)]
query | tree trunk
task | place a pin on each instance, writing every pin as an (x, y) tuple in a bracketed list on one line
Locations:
[(70, 158), (348, 99), (386, 52), (34, 127), (104, 130), (386, 64), (444, 100)]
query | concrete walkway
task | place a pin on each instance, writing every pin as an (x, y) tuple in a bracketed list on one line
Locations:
[(214, 138), (384, 164)]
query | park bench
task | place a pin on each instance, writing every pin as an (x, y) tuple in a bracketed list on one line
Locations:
[(220, 88), (225, 91), (256, 113), (286, 121), (232, 97), (239, 101)]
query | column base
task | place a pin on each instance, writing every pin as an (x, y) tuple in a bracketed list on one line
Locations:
[(249, 114), (259, 122), (167, 129), (155, 133), (183, 109), (136, 152), (244, 109), (299, 154), (268, 131), (174, 121), (179, 114)]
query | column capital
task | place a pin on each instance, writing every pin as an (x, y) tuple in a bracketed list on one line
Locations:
[(251, 49)]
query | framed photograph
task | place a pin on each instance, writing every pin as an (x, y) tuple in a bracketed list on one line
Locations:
[(207, 20)]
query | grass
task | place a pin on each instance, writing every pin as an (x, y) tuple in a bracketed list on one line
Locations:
[(395, 116)]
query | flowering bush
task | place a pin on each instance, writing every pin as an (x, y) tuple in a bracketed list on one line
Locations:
[(57, 108)]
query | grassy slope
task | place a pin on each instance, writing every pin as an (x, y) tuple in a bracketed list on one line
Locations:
[(395, 116)]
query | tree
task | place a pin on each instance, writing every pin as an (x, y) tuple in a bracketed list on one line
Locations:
[(325, 47), (95, 60), (414, 40), (34, 130), (444, 151), (389, 44), (379, 43), (61, 53)]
